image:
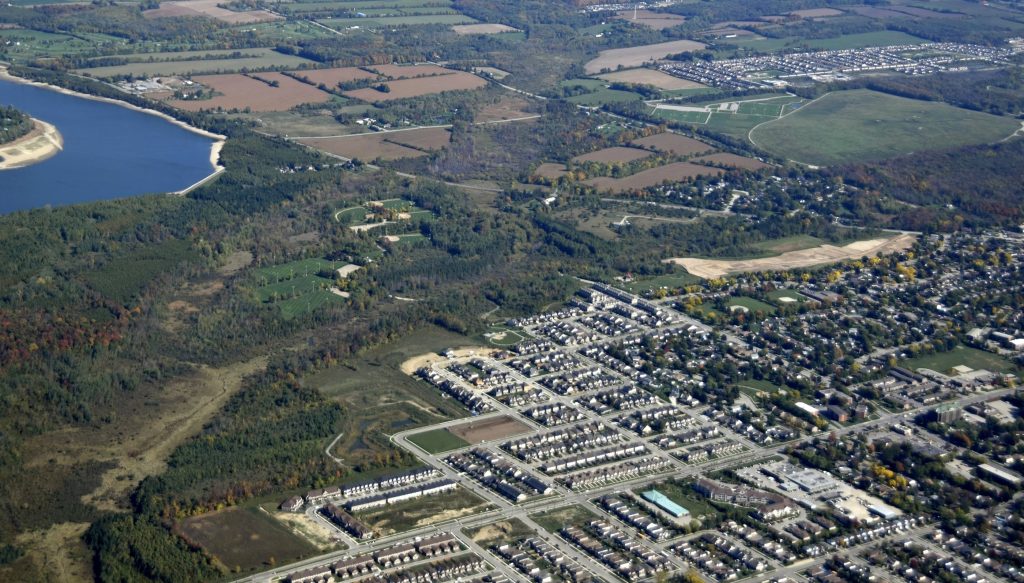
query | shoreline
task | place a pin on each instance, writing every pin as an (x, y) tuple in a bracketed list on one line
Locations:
[(44, 136), (215, 147)]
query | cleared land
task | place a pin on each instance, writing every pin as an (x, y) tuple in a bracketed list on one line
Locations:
[(210, 9), (383, 145), (155, 64), (437, 441), (817, 12), (650, 19), (675, 172), (731, 160), (427, 139), (410, 71), (246, 537), (474, 432), (636, 56), (254, 92), (483, 28), (331, 77), (863, 125), (674, 144), (423, 511), (507, 108), (404, 88), (614, 154), (551, 171), (650, 77), (823, 255)]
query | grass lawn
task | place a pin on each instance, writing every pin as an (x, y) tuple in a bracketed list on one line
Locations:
[(752, 305), (778, 295), (554, 520), (684, 496), (438, 441), (669, 280), (245, 537), (863, 125), (962, 355), (504, 336), (753, 386)]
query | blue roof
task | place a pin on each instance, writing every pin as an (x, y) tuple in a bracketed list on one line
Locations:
[(662, 501)]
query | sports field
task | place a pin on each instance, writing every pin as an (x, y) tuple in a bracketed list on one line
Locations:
[(437, 441), (862, 125), (961, 356)]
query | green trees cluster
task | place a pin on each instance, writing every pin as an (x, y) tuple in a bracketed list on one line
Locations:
[(14, 124)]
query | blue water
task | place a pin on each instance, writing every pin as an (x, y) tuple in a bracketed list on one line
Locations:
[(109, 152)]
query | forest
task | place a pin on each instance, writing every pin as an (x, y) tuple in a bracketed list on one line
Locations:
[(13, 124)]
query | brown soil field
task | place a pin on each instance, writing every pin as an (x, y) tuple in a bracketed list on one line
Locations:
[(244, 537), (872, 12), (655, 20), (240, 92), (816, 12), (674, 143), (483, 28), (210, 9), (675, 172), (825, 254), (475, 432), (614, 154), (636, 56), (732, 31), (551, 171), (732, 160), (410, 71), (651, 77), (331, 77), (366, 147), (404, 88), (423, 139), (507, 108)]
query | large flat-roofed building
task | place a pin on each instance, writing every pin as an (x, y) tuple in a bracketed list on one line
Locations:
[(1001, 474), (661, 501)]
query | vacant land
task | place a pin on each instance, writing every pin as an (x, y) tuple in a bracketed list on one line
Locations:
[(507, 108), (331, 77), (255, 92), (732, 161), (483, 28), (383, 145), (823, 255), (426, 139), (615, 154), (862, 125), (489, 429), (437, 441), (555, 520), (650, 19), (636, 56), (816, 12), (404, 88), (245, 537), (551, 171), (961, 356), (674, 144), (650, 77), (668, 281), (209, 9), (425, 511), (676, 172)]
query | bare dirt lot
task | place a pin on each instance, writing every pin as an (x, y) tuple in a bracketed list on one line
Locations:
[(426, 139), (636, 56), (403, 88), (209, 8), (655, 20), (365, 147), (615, 154), (331, 77), (475, 432), (650, 77), (731, 160), (255, 92), (483, 28), (674, 143), (675, 172), (825, 254)]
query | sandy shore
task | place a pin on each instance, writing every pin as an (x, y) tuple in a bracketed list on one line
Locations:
[(43, 142), (215, 148)]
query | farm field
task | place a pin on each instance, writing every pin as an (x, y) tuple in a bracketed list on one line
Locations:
[(495, 428), (507, 108), (614, 154), (961, 356), (674, 144), (426, 139), (251, 59), (387, 21), (483, 28), (437, 441), (209, 9), (822, 255), (551, 171), (383, 145), (636, 56), (650, 77), (245, 537), (732, 161), (849, 41), (254, 92), (331, 77), (651, 19), (863, 125), (367, 6), (404, 88), (674, 172)]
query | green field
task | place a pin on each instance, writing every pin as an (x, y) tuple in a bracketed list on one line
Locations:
[(669, 280), (384, 22), (962, 355), (161, 65), (438, 441), (863, 125), (751, 304), (303, 267), (504, 336), (297, 288), (246, 538), (848, 41), (554, 520), (751, 111), (778, 294)]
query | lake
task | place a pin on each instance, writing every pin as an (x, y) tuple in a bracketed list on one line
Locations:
[(109, 152)]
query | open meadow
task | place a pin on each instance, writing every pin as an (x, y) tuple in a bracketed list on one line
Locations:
[(846, 127), (675, 172), (245, 537), (630, 57)]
